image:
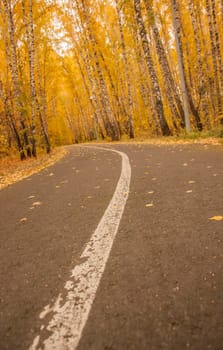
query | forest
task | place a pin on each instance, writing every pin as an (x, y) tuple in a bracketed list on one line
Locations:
[(83, 70)]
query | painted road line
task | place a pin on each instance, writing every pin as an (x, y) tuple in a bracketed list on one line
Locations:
[(72, 307)]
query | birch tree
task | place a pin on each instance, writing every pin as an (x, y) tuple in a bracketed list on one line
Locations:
[(13, 66), (129, 108), (153, 76), (170, 86)]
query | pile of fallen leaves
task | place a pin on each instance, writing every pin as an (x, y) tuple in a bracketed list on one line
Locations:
[(13, 170)]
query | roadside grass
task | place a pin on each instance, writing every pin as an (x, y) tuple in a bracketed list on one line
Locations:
[(216, 133), (212, 137)]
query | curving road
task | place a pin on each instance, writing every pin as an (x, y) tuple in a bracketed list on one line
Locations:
[(146, 276)]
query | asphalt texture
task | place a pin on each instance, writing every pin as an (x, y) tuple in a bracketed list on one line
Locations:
[(163, 283)]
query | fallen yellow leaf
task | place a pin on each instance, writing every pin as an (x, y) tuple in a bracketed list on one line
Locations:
[(149, 205), (216, 218), (23, 219), (36, 203)]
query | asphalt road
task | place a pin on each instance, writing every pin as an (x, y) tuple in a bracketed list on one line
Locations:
[(162, 287)]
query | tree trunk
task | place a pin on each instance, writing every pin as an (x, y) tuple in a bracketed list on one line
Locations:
[(94, 99), (126, 67), (197, 40), (30, 44), (11, 123), (144, 87), (15, 76), (41, 108), (110, 122), (218, 55), (209, 96), (154, 80), (118, 106), (202, 84), (176, 25), (91, 97), (214, 54), (170, 86)]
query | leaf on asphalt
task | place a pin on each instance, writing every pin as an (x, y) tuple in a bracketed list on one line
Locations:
[(185, 164), (51, 174), (151, 192), (149, 205), (57, 186), (176, 289), (37, 203), (191, 182), (64, 182), (30, 197), (31, 208), (23, 219), (217, 218), (89, 197), (189, 191)]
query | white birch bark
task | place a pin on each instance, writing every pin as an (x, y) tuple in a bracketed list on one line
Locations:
[(153, 76), (180, 64)]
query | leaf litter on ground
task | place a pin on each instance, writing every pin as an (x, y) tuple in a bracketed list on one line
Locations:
[(14, 170)]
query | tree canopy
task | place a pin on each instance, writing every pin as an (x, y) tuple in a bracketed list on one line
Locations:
[(81, 70)]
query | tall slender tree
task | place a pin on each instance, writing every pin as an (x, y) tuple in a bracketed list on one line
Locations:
[(170, 86), (129, 108), (153, 76), (13, 66), (176, 25)]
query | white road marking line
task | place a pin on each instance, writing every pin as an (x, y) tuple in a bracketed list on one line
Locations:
[(70, 313)]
